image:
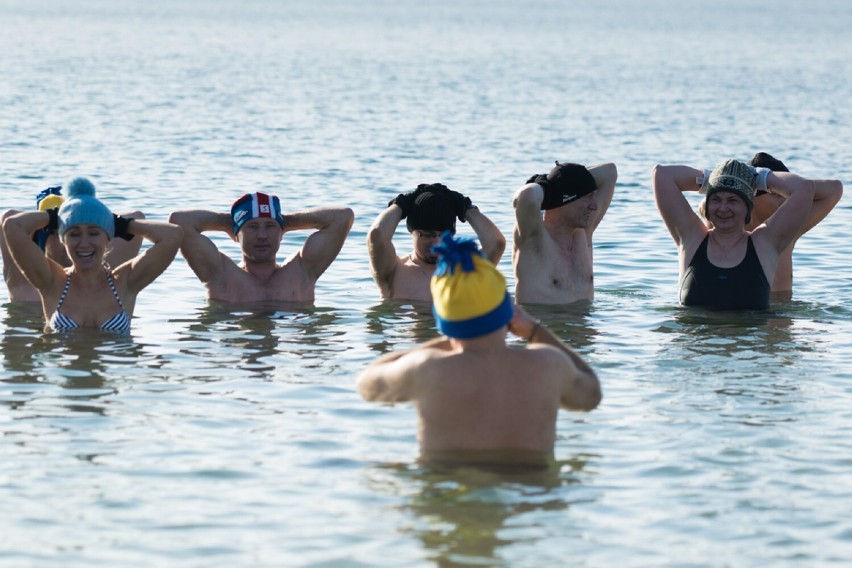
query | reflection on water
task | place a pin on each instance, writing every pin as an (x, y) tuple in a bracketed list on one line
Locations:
[(261, 339), (85, 363), (467, 515), (572, 323), (396, 325)]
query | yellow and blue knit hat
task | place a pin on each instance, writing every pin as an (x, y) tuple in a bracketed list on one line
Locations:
[(468, 292), (46, 199)]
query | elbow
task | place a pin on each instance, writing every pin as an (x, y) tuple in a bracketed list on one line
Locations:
[(376, 237), (610, 173), (595, 396), (368, 388), (498, 248), (586, 395), (529, 197), (348, 217)]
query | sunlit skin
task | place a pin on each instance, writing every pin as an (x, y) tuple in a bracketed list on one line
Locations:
[(423, 241), (576, 215), (553, 253), (86, 246), (55, 251), (260, 240), (727, 211), (406, 276)]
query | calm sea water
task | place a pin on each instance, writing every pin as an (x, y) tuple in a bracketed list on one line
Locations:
[(230, 436)]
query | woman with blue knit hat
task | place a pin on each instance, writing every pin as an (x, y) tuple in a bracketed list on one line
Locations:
[(480, 401), (89, 293), (20, 290), (726, 266)]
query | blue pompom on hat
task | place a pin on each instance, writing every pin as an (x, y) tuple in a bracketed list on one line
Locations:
[(468, 292), (82, 207)]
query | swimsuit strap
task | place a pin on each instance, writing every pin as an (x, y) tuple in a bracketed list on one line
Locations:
[(64, 292), (112, 286)]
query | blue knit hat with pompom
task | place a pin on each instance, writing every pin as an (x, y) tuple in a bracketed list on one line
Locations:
[(82, 207)]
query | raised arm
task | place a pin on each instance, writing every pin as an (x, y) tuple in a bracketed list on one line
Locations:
[(605, 177), (528, 220), (143, 269), (323, 246), (11, 273), (18, 230), (669, 183), (383, 258), (783, 227), (581, 389), (490, 238), (390, 378), (827, 193), (123, 250), (199, 251)]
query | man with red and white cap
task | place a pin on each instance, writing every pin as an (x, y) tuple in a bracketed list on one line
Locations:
[(257, 223)]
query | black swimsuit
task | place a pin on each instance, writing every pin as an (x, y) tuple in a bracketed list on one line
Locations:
[(742, 287)]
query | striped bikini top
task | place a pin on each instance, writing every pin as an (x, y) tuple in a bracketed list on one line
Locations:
[(120, 322)]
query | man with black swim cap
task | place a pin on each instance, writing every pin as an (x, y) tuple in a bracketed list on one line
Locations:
[(429, 210), (553, 253)]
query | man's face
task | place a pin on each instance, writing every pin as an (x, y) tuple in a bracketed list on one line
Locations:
[(582, 212), (260, 239), (423, 243)]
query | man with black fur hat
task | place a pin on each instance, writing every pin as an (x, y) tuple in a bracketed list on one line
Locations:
[(429, 210), (553, 252)]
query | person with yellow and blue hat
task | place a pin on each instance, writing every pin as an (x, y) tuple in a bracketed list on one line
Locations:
[(49, 200), (428, 210), (480, 401)]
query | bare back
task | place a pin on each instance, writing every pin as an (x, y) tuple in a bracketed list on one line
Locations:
[(506, 399)]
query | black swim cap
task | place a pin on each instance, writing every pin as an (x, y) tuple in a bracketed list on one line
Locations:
[(433, 209), (567, 182), (764, 160)]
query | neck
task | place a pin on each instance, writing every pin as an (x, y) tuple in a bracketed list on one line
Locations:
[(489, 342), (87, 276), (729, 237), (556, 222), (428, 267)]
